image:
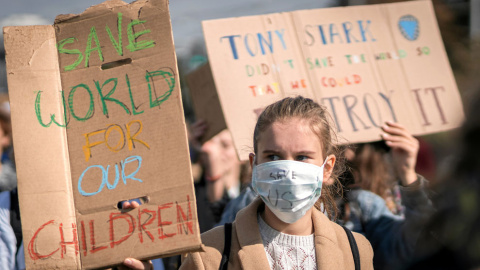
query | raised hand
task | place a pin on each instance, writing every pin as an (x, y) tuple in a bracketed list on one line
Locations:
[(404, 151)]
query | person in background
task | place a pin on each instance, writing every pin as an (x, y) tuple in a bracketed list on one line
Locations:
[(222, 167), (384, 198), (224, 176), (451, 238), (11, 247)]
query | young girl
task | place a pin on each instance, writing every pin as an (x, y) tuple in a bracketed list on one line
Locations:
[(285, 229)]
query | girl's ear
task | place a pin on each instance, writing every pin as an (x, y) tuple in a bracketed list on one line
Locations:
[(251, 158), (328, 169)]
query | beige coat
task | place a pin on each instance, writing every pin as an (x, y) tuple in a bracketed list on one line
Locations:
[(247, 252)]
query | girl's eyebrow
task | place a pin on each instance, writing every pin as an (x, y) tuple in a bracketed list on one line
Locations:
[(303, 152), (268, 151), (306, 152)]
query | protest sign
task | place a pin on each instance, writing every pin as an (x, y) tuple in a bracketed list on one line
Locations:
[(205, 101), (97, 119), (366, 64)]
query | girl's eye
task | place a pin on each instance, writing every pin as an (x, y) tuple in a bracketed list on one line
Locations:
[(273, 157), (301, 158)]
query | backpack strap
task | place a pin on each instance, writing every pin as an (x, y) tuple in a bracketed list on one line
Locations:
[(226, 248), (353, 247)]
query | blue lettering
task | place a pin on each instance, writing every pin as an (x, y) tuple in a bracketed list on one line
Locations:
[(334, 112), (334, 32), (80, 179), (349, 107), (347, 27), (248, 47), (322, 35), (262, 40), (364, 30), (131, 176), (387, 99), (367, 109), (280, 36), (105, 175), (231, 39)]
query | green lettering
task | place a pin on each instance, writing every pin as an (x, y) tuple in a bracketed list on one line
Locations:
[(169, 78), (52, 116), (67, 51), (89, 49), (133, 44), (90, 111), (134, 108), (107, 97), (118, 45)]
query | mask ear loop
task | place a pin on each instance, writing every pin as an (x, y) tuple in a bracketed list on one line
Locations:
[(320, 183), (254, 170), (325, 161)]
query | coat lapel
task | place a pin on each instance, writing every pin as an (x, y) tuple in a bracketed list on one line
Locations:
[(252, 253), (329, 255)]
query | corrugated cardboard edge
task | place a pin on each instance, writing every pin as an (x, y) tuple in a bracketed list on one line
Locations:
[(107, 4), (31, 57), (161, 5)]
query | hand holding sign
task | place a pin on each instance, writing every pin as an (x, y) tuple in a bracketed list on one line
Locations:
[(404, 151), (130, 263)]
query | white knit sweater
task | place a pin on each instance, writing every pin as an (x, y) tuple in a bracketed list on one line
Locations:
[(285, 251)]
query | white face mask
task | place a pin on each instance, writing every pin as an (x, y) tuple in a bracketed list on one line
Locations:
[(289, 188)]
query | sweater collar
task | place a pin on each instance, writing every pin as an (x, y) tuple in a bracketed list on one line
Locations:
[(252, 253)]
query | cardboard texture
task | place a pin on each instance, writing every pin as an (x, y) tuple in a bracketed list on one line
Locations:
[(97, 119), (206, 103), (366, 64)]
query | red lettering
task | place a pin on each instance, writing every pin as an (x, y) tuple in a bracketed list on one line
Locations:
[(161, 233), (92, 239), (141, 226), (269, 90), (357, 79), (64, 244), (294, 84), (32, 247), (181, 217), (332, 82), (324, 83), (253, 90), (131, 227), (347, 82), (84, 239)]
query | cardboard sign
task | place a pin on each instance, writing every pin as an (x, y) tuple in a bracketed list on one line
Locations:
[(366, 64), (97, 119), (206, 103)]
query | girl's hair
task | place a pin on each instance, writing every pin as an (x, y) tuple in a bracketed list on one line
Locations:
[(373, 169), (316, 115)]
